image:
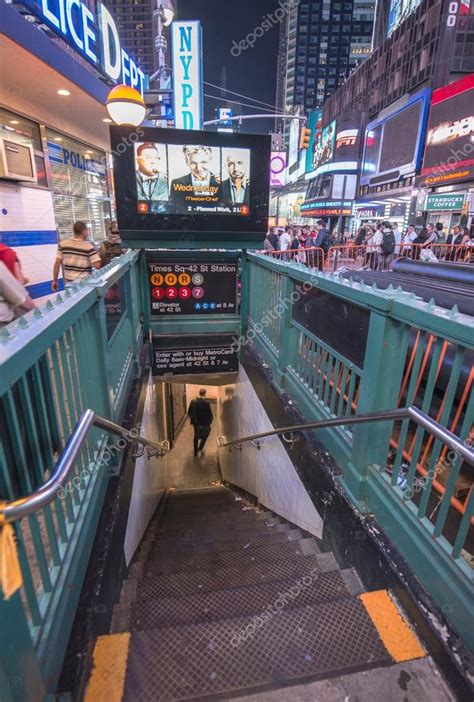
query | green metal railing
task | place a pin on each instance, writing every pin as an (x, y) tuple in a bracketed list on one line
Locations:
[(79, 351), (415, 354), (82, 351)]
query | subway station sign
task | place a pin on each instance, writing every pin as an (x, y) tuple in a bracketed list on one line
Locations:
[(93, 34), (199, 288), (186, 53)]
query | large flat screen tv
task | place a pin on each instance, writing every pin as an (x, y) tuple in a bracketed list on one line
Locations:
[(212, 184)]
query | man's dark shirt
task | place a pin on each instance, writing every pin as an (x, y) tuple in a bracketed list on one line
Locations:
[(200, 413)]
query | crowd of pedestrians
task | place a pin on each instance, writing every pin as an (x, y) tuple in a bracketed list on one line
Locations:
[(377, 244), (300, 244), (76, 258)]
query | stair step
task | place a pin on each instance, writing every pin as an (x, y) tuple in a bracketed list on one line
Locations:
[(177, 504), (241, 556), (168, 548), (209, 494), (196, 510), (221, 531), (187, 583), (224, 604), (241, 653), (216, 520)]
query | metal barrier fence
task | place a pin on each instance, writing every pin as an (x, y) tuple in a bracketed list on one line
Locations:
[(350, 256), (80, 350), (413, 354)]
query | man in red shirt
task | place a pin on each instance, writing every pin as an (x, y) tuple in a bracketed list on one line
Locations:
[(10, 259)]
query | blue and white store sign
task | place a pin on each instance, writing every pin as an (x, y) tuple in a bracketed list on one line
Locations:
[(93, 34), (186, 52), (79, 184)]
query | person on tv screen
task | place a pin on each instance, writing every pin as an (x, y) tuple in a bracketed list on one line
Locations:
[(152, 182), (235, 189), (199, 182)]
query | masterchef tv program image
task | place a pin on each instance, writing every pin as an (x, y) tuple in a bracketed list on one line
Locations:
[(188, 179)]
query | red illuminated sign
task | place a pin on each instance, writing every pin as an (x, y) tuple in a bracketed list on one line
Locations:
[(449, 152)]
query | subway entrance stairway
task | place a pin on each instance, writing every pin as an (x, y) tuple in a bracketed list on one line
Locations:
[(225, 599)]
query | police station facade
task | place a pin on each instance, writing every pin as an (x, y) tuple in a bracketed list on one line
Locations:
[(52, 106)]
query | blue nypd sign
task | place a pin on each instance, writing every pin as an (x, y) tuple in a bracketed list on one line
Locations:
[(93, 34), (186, 52)]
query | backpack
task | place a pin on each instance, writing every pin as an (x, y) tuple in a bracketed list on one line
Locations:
[(325, 242), (388, 243), (111, 251)]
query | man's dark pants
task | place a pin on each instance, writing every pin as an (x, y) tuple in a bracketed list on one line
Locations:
[(201, 435)]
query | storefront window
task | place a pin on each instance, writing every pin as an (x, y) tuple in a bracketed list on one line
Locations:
[(79, 184), (23, 131)]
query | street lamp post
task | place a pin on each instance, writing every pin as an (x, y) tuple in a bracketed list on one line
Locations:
[(160, 92)]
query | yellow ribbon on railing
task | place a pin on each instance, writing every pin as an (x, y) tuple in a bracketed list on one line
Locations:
[(10, 572)]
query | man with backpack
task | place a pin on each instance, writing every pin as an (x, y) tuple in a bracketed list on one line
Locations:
[(200, 415), (111, 247), (273, 241), (387, 247), (321, 242)]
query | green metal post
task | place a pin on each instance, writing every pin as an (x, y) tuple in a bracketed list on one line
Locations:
[(285, 340), (20, 676), (245, 294), (387, 343)]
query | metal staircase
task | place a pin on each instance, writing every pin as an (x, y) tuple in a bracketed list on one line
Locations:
[(224, 598)]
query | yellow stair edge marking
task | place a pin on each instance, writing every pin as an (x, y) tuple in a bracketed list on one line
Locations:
[(397, 637), (109, 665)]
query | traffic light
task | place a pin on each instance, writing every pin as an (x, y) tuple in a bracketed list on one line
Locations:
[(304, 138)]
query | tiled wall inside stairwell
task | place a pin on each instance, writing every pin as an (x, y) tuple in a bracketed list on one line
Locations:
[(267, 473)]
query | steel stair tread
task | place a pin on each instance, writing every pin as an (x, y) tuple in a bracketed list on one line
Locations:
[(214, 561), (215, 521), (236, 654), (199, 495), (183, 583), (239, 601), (225, 530), (204, 511), (182, 547)]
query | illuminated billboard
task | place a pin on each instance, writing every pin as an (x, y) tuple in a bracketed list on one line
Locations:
[(387, 158), (182, 179), (186, 56), (449, 150), (334, 147), (398, 12), (315, 126), (173, 180), (322, 150)]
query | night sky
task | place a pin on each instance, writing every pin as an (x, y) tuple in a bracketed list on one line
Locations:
[(253, 73)]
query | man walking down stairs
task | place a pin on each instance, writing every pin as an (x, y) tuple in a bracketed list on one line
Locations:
[(225, 600)]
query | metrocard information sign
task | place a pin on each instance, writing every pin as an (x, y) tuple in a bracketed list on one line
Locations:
[(93, 34), (186, 52)]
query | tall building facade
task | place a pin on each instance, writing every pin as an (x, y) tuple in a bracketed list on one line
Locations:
[(321, 41), (135, 22)]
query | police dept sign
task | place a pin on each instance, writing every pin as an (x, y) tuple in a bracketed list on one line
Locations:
[(94, 35), (186, 51)]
